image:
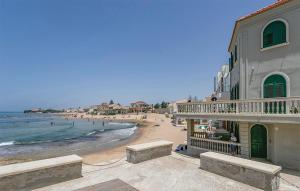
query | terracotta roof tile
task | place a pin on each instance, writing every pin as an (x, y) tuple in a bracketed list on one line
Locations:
[(267, 8)]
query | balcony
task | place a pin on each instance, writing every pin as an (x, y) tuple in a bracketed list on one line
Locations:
[(200, 140), (269, 110)]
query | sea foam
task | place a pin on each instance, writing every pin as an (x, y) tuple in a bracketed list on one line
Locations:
[(6, 143)]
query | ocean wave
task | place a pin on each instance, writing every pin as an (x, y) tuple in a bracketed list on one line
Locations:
[(7, 143), (127, 131), (92, 134)]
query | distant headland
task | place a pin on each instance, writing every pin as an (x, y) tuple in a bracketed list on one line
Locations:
[(39, 110)]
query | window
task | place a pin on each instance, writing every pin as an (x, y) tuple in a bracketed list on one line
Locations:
[(275, 86), (275, 33), (235, 92)]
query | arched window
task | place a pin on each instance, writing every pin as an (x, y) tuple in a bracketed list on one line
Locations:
[(274, 33), (275, 86)]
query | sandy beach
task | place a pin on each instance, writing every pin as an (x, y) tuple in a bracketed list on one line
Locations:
[(154, 127), (151, 127)]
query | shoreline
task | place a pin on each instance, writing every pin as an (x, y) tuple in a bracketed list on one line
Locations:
[(154, 127), (157, 127)]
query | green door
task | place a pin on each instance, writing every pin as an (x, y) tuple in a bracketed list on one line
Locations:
[(275, 86), (258, 141)]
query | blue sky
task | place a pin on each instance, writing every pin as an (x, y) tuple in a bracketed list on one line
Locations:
[(62, 53)]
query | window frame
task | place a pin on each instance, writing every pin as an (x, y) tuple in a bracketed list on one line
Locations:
[(277, 45), (286, 77)]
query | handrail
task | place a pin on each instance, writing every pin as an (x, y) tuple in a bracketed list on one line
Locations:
[(290, 105), (216, 145), (216, 141), (241, 100)]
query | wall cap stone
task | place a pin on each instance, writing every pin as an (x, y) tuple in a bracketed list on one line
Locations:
[(249, 164), (145, 146), (19, 168)]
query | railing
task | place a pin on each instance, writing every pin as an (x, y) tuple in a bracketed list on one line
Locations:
[(200, 135), (217, 146), (274, 106)]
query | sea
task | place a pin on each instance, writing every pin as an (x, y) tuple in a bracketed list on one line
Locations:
[(35, 134)]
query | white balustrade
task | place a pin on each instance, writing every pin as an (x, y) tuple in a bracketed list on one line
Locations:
[(216, 145), (268, 106)]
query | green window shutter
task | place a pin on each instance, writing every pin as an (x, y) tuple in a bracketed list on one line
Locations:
[(238, 91), (235, 53), (274, 33), (231, 58), (275, 86)]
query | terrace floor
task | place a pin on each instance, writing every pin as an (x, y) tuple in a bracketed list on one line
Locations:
[(174, 172)]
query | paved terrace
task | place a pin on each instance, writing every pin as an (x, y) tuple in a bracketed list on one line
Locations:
[(174, 172)]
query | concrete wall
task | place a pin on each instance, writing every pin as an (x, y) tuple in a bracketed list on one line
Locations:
[(244, 139), (36, 174), (283, 143), (260, 175), (190, 128), (143, 152), (286, 145), (254, 65)]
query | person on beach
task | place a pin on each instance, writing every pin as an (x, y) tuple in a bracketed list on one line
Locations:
[(233, 139)]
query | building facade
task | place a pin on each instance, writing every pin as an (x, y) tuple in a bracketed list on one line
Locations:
[(264, 89), (222, 83), (139, 106)]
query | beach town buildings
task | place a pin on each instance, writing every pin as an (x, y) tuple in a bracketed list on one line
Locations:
[(112, 109), (173, 110), (139, 106), (264, 104), (102, 108), (116, 108)]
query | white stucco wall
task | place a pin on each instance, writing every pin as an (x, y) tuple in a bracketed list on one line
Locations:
[(283, 143), (254, 65), (286, 140)]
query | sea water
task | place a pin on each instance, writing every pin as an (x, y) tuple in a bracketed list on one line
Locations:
[(22, 133)]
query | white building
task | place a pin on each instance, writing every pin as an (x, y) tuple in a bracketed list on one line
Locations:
[(265, 89), (222, 83)]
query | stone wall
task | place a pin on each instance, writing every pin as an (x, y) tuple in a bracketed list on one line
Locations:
[(244, 139), (36, 174), (260, 175), (143, 152)]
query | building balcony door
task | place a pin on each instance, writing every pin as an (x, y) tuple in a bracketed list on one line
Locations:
[(275, 86), (258, 141)]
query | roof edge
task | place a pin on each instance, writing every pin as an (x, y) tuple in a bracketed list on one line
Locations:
[(277, 4)]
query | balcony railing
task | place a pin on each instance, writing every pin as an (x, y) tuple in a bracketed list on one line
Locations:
[(216, 145), (290, 106), (200, 135)]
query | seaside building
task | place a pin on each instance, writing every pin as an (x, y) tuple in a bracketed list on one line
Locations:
[(264, 68), (102, 108), (139, 106), (222, 83), (112, 109), (173, 110)]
